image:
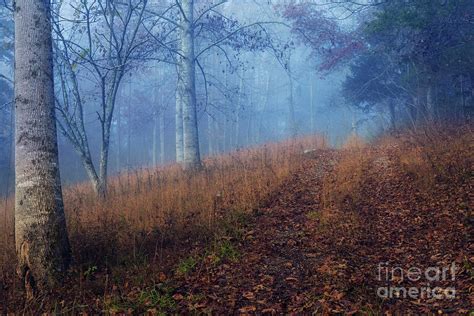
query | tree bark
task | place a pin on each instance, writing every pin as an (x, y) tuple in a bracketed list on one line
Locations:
[(239, 112), (430, 107), (40, 226), (391, 108), (119, 134), (210, 135), (162, 136), (187, 86), (154, 149), (291, 108), (179, 128)]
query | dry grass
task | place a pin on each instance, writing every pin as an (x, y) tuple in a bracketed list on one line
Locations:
[(147, 209), (354, 142), (436, 154), (432, 156), (343, 188)]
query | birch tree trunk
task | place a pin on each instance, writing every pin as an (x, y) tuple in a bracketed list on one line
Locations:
[(40, 227), (187, 85)]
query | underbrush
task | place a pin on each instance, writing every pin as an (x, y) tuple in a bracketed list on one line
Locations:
[(159, 217), (401, 199), (433, 158), (437, 155)]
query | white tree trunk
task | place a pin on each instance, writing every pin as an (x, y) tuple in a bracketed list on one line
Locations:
[(40, 226), (187, 85), (179, 128)]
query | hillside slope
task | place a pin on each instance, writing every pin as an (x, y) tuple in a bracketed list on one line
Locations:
[(366, 229), (309, 249)]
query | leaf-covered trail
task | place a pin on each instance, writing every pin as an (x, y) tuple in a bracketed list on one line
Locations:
[(298, 257), (276, 271)]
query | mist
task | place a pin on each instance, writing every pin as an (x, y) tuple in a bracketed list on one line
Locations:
[(244, 92), (236, 157)]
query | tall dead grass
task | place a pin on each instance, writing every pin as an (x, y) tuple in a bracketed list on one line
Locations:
[(437, 155), (432, 156), (148, 208), (342, 188)]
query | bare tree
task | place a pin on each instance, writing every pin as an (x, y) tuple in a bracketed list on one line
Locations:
[(199, 29), (105, 43)]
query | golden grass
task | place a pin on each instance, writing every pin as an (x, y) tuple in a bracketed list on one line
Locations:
[(434, 155), (354, 142), (146, 207), (343, 187), (431, 156)]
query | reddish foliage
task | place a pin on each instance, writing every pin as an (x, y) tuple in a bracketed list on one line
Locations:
[(326, 38)]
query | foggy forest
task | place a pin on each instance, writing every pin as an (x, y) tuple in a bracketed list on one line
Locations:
[(236, 157)]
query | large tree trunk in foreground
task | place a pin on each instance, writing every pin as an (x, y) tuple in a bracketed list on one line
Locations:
[(40, 227), (187, 86)]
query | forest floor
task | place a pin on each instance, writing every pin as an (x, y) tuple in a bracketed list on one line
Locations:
[(369, 231), (294, 259)]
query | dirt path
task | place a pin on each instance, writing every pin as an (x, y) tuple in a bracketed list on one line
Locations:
[(278, 256), (293, 260)]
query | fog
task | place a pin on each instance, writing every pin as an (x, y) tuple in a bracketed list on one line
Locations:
[(257, 80)]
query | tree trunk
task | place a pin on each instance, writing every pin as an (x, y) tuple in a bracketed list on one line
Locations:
[(311, 100), (291, 108), (154, 149), (162, 136), (239, 112), (210, 135), (430, 110), (179, 128), (187, 86), (129, 129), (391, 107), (101, 188), (119, 135), (264, 109), (40, 226)]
